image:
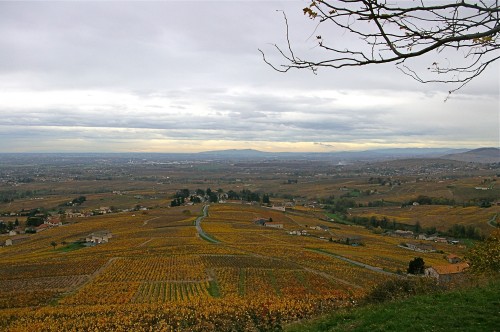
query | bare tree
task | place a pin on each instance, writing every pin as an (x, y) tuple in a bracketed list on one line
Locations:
[(394, 32)]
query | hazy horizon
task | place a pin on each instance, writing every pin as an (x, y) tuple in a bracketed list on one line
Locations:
[(402, 150)]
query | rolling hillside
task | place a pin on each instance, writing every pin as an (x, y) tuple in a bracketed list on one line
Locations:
[(482, 155)]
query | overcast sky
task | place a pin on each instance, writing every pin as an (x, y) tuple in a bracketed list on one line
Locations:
[(174, 76)]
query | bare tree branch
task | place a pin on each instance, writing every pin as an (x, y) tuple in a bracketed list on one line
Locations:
[(397, 31)]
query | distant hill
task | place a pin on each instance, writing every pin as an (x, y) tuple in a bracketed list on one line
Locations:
[(235, 153), (337, 156), (482, 155)]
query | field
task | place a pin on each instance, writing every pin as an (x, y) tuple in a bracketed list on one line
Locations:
[(175, 268), (442, 217), (157, 261)]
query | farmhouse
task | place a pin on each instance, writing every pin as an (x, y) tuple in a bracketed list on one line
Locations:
[(104, 210), (273, 225), (266, 223), (440, 240), (260, 221), (299, 233), (98, 237), (423, 237), (53, 222), (401, 233), (71, 214), (447, 273), (42, 227), (320, 228), (433, 237), (352, 240), (421, 247)]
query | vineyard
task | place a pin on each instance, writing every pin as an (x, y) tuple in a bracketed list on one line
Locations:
[(156, 272), (442, 217)]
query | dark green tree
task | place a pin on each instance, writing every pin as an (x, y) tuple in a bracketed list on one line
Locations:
[(418, 227), (195, 199), (265, 199), (232, 195), (416, 266), (184, 193), (213, 197)]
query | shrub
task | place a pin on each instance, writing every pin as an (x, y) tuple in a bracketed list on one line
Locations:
[(401, 288)]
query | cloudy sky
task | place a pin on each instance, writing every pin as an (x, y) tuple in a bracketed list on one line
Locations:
[(172, 76)]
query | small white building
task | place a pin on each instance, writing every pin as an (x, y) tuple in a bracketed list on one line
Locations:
[(420, 247), (53, 222), (299, 233), (273, 225), (99, 237), (401, 233)]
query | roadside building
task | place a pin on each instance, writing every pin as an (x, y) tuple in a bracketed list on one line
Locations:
[(447, 273)]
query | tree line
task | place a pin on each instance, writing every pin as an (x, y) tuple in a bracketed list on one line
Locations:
[(456, 231), (199, 195)]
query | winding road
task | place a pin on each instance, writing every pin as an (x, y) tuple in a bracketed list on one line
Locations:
[(207, 237), (200, 230), (366, 266)]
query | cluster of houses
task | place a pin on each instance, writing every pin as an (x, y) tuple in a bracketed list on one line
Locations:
[(320, 228), (90, 240), (411, 235), (419, 247), (49, 223), (15, 235), (304, 232), (269, 223), (299, 233), (445, 273)]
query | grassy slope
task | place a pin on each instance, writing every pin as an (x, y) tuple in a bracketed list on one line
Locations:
[(476, 309)]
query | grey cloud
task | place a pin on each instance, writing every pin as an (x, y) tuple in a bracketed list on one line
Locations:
[(191, 70)]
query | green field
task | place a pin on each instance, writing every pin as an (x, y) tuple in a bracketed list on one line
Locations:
[(475, 309)]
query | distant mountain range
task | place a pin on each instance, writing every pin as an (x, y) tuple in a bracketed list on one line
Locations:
[(482, 155)]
